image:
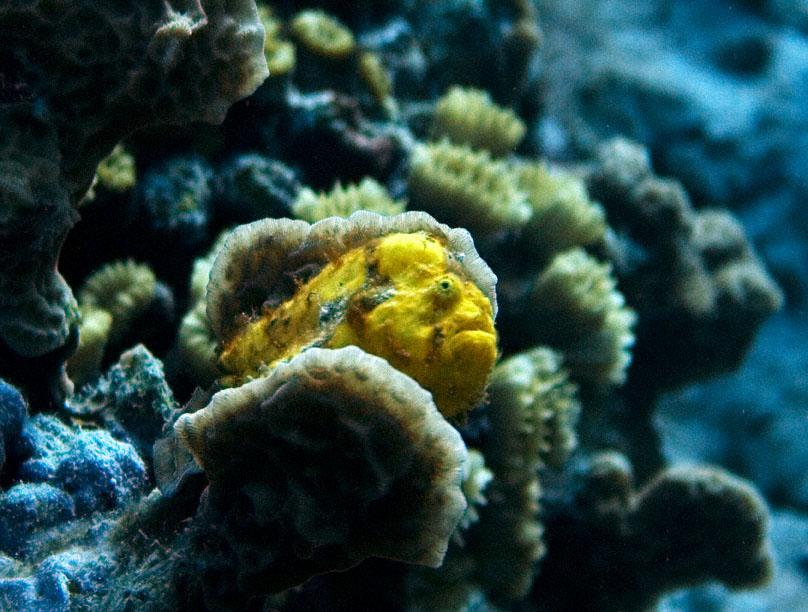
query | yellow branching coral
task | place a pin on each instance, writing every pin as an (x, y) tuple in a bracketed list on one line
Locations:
[(563, 215), (280, 54), (468, 117), (577, 309), (323, 35), (466, 188), (405, 288), (125, 289), (344, 201)]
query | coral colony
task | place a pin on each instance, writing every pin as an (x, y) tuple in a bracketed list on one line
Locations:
[(330, 305)]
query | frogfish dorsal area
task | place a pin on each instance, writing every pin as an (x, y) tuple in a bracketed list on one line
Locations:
[(402, 297)]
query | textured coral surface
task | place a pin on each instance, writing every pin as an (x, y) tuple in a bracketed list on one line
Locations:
[(467, 305)]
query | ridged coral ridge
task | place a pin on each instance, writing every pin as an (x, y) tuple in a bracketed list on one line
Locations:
[(533, 410), (342, 201), (469, 117), (562, 217), (465, 187), (577, 309)]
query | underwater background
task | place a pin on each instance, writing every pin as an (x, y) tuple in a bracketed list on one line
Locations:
[(403, 305)]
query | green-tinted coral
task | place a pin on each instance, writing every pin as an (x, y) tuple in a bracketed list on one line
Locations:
[(197, 345), (539, 408), (125, 289), (200, 273), (467, 188), (322, 34), (344, 201), (280, 53), (563, 215), (196, 341), (94, 330), (575, 307), (116, 172), (376, 78), (469, 117)]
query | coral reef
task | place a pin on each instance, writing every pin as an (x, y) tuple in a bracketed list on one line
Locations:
[(116, 172), (321, 34), (469, 117), (562, 216), (73, 103), (252, 186), (174, 199), (651, 540), (700, 290), (484, 403)]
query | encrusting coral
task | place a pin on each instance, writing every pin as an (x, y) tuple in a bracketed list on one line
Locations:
[(73, 104), (405, 288), (390, 487)]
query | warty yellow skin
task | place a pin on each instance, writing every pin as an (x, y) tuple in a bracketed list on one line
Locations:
[(396, 297)]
